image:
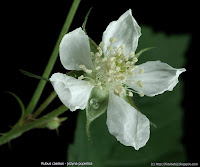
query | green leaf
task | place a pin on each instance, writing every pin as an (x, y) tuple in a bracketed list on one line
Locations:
[(164, 110), (86, 18), (33, 75), (97, 105)]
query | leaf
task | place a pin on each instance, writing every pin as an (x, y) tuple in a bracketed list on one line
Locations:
[(33, 75), (164, 110), (86, 18)]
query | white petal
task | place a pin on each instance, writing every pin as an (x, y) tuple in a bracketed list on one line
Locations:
[(75, 50), (72, 92), (156, 78), (126, 30), (128, 125)]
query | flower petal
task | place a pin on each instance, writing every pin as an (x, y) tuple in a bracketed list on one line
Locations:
[(72, 92), (128, 125), (126, 30), (75, 50), (157, 77)]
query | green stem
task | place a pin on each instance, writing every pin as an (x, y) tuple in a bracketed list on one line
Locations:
[(18, 131), (44, 105), (34, 100)]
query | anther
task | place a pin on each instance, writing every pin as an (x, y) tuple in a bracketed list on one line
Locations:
[(132, 54), (102, 44), (92, 54), (141, 94), (98, 67), (100, 50), (122, 46), (88, 71), (81, 77), (130, 94), (82, 66), (140, 71), (109, 47), (134, 60), (119, 61), (97, 54), (140, 84), (113, 58), (104, 59), (113, 39), (97, 60)]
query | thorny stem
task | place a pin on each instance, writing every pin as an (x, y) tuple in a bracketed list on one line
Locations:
[(34, 100), (44, 105), (18, 131)]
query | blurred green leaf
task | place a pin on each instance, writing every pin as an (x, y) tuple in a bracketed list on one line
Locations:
[(164, 110)]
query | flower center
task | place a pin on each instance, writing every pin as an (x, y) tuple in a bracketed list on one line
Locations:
[(113, 69)]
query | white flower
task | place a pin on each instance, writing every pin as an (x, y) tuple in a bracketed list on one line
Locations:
[(113, 69)]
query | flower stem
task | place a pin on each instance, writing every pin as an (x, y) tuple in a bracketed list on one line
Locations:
[(44, 105), (18, 131), (34, 100)]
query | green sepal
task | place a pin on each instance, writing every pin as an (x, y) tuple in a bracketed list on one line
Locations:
[(93, 46), (129, 100), (33, 75), (85, 21), (97, 105), (143, 50), (75, 74)]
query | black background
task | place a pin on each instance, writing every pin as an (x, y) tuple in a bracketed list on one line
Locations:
[(29, 30)]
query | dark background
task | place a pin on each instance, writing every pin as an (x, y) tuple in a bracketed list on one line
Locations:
[(29, 32)]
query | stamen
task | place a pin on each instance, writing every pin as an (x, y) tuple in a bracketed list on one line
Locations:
[(98, 67), (132, 54), (109, 47), (113, 40), (119, 61), (88, 71), (141, 94), (140, 71), (113, 70), (104, 59), (92, 54), (130, 94), (82, 66), (102, 44), (97, 60), (140, 84), (81, 77), (113, 58), (134, 60), (122, 46), (97, 54)]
